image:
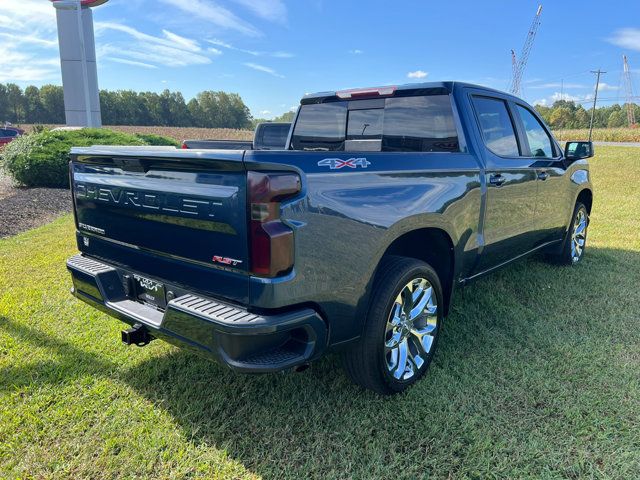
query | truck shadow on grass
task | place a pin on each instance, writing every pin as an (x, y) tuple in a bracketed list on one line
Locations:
[(514, 374), (515, 364)]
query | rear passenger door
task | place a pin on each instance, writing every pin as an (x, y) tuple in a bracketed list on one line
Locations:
[(511, 181)]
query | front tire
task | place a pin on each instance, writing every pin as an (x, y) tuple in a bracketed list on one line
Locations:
[(576, 241), (402, 327)]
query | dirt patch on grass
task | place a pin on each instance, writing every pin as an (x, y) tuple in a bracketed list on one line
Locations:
[(25, 208)]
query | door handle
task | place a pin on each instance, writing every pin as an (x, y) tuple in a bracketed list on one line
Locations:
[(496, 179), (543, 175)]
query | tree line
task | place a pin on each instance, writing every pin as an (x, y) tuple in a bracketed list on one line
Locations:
[(45, 105), (212, 109), (567, 114)]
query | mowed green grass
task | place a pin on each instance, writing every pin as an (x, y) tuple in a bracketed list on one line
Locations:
[(537, 375)]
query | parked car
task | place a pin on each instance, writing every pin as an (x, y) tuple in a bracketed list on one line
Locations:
[(354, 239), (8, 134), (267, 136)]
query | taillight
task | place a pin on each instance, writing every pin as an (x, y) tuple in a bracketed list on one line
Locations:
[(271, 240), (184, 146)]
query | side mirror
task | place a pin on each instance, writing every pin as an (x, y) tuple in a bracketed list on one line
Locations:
[(577, 150)]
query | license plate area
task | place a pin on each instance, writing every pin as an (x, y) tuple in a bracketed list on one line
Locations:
[(149, 291)]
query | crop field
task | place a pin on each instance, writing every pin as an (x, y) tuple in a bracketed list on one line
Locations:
[(537, 376), (600, 134)]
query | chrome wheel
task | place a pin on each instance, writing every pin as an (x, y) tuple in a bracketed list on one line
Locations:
[(411, 329), (579, 235)]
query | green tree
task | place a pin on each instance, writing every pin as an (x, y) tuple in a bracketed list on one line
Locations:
[(617, 118), (560, 117), (15, 101), (33, 111), (52, 100), (285, 117)]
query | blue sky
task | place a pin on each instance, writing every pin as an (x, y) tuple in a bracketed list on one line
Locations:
[(272, 52)]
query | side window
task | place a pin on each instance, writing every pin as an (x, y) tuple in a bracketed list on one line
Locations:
[(497, 128), (419, 124), (539, 142), (321, 127)]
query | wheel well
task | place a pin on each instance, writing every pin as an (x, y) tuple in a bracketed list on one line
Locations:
[(431, 245), (586, 197)]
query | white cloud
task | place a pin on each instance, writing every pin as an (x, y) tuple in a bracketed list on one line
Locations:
[(215, 51), (220, 43), (26, 74), (262, 68), (356, 52), (185, 43), (28, 35), (417, 74), (171, 50), (211, 12), (558, 85), (265, 112), (563, 96), (130, 62), (272, 10), (605, 86), (254, 53), (627, 38), (23, 38)]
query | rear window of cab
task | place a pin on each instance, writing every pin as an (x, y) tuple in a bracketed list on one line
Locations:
[(397, 124)]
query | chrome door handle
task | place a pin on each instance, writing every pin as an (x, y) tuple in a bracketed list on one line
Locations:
[(543, 175), (496, 179)]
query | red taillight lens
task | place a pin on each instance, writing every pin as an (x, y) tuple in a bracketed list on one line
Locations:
[(271, 240)]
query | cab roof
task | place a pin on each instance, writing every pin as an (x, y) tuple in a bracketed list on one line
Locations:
[(426, 88)]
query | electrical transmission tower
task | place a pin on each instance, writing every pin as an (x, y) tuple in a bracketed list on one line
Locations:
[(519, 65), (628, 90)]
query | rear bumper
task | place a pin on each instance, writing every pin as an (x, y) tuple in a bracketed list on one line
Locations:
[(243, 340)]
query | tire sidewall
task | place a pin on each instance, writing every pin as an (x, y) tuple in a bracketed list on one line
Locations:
[(568, 255), (381, 309)]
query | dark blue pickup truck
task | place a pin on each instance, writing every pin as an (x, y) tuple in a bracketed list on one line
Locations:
[(353, 238)]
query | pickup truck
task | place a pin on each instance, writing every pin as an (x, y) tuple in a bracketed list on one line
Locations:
[(267, 136), (353, 239)]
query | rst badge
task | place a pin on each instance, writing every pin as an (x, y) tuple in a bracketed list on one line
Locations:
[(338, 163), (231, 262)]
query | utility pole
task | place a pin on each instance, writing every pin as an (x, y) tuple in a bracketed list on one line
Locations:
[(595, 99)]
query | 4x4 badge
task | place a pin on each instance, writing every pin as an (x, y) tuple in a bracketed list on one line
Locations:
[(338, 163)]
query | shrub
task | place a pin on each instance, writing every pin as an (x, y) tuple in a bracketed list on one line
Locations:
[(42, 159)]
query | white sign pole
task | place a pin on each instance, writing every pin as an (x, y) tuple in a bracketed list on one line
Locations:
[(85, 73), (78, 62)]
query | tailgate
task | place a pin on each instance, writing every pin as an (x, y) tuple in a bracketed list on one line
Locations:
[(186, 207)]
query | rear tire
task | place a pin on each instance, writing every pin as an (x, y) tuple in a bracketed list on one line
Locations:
[(575, 243), (402, 327)]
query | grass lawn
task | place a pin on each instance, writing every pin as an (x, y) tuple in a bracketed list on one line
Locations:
[(538, 375)]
